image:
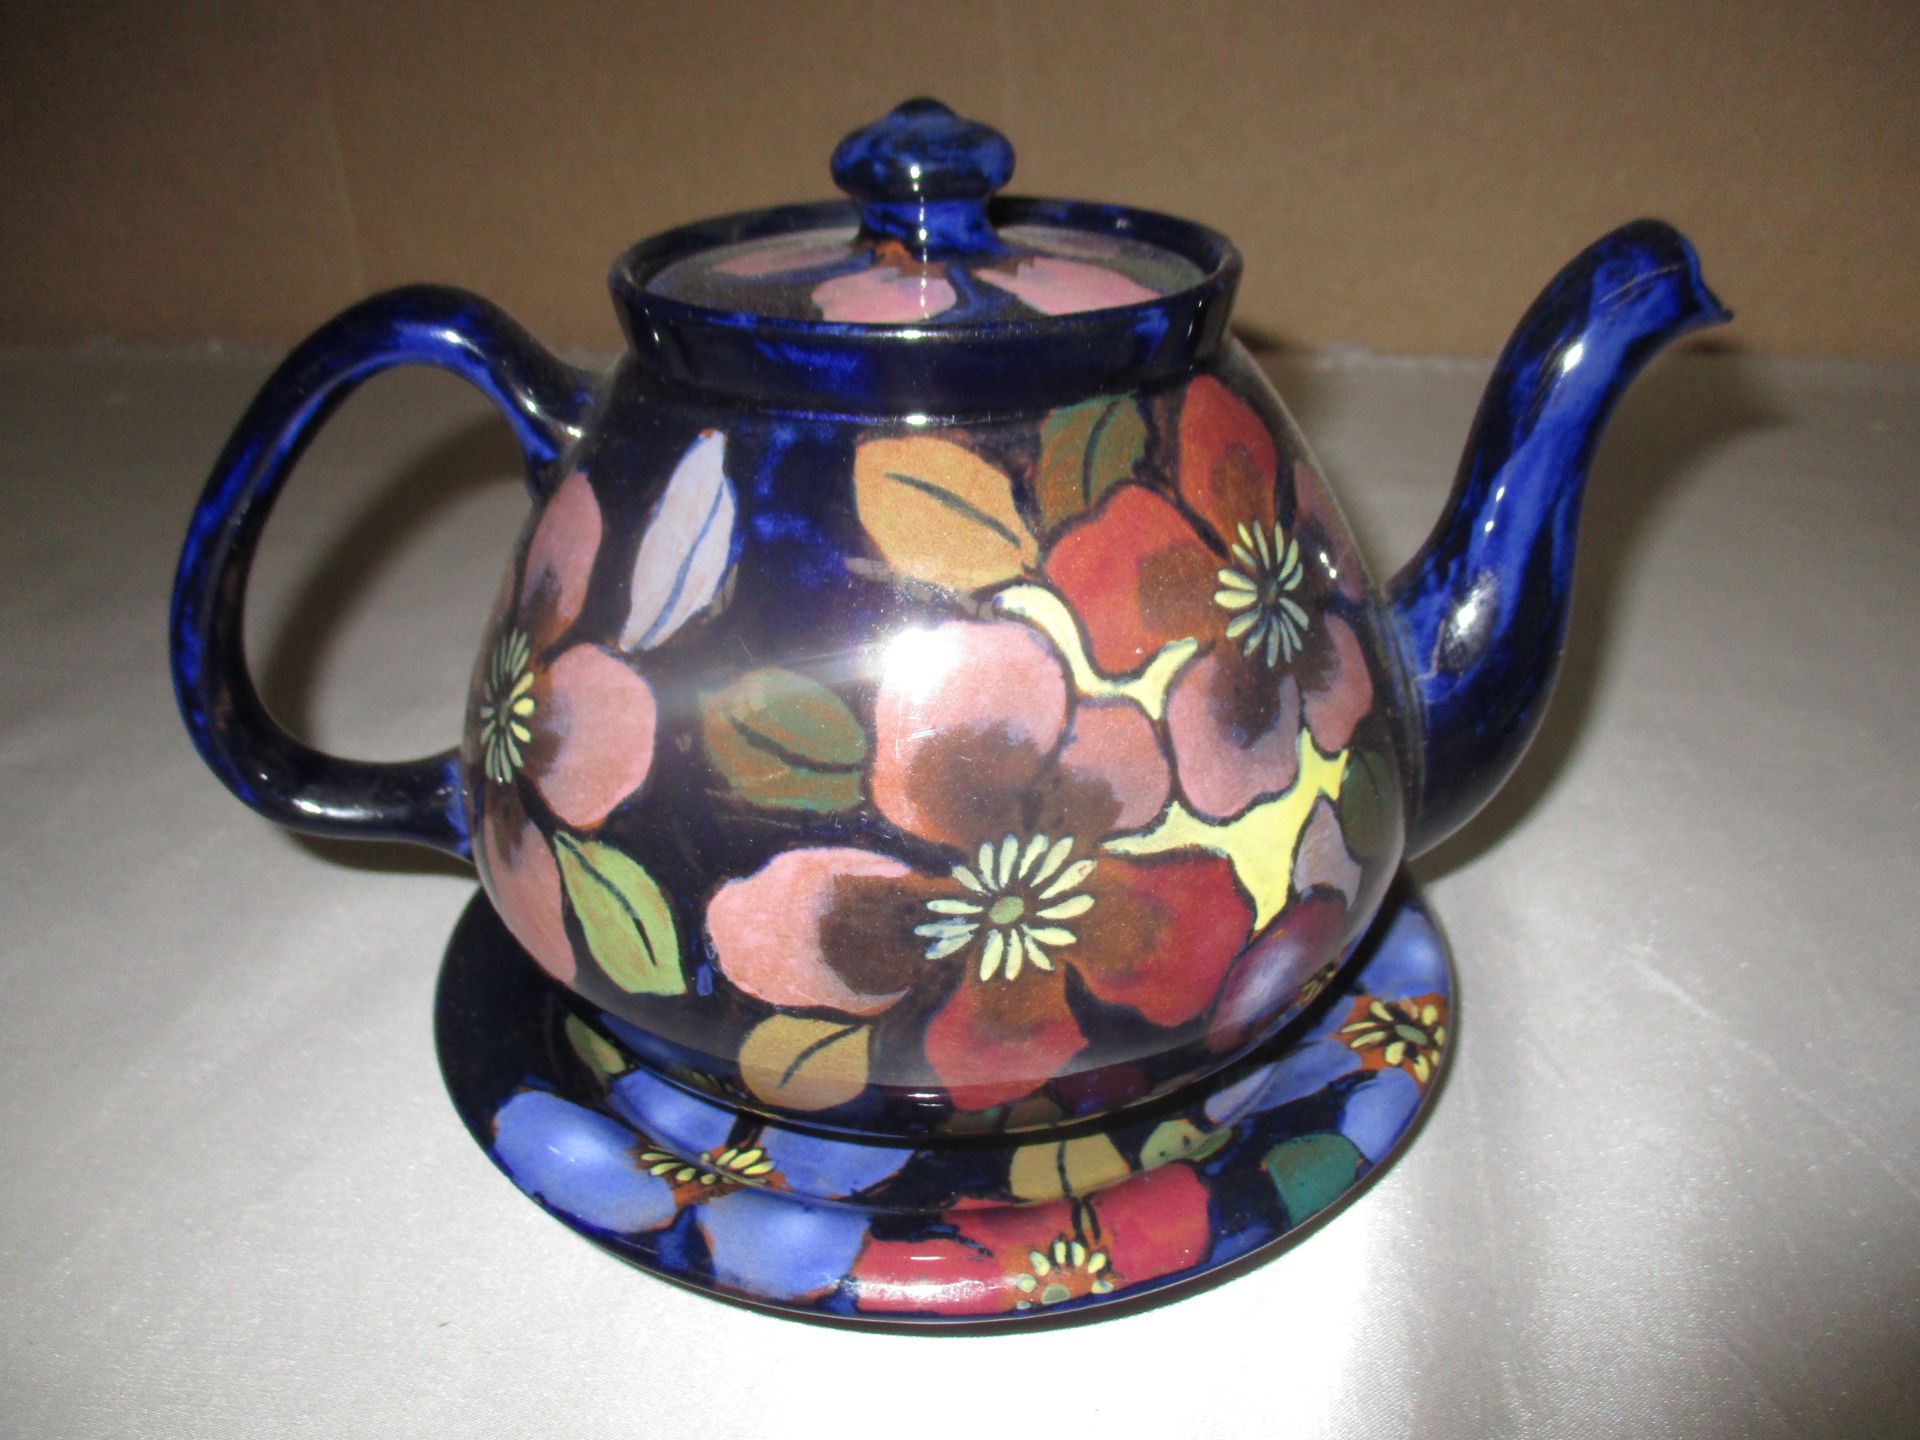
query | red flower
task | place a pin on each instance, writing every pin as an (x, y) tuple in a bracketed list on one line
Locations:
[(980, 750), (1023, 1257), (1143, 573)]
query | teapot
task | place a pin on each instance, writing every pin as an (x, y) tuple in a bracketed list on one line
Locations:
[(936, 706)]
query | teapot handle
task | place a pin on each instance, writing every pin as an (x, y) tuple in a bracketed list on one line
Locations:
[(543, 399)]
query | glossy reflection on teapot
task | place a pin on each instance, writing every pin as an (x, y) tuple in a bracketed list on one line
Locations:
[(935, 695), (900, 773)]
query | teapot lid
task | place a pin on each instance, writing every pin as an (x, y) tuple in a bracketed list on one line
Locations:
[(921, 247), (927, 251)]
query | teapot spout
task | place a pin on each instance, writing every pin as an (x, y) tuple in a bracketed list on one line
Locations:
[(1482, 608)]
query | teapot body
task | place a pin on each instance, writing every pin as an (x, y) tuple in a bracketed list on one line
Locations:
[(935, 695), (913, 774)]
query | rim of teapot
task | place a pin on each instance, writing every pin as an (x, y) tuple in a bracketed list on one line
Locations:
[(942, 371)]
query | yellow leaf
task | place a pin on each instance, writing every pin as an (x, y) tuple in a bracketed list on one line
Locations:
[(1261, 842), (1048, 613), (596, 1052), (938, 512), (785, 741), (1065, 1167), (802, 1064), (1180, 1140)]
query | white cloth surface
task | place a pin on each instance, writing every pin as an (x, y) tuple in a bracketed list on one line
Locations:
[(1672, 1185)]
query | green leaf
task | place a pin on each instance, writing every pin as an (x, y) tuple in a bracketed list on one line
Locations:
[(1368, 806), (785, 742), (624, 915), (803, 1064), (1312, 1171), (1085, 450)]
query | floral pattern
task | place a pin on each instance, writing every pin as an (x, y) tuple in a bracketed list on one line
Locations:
[(1392, 1033), (1060, 829), (837, 275), (600, 1168), (897, 290), (682, 1184), (1214, 563), (1039, 1256), (981, 752), (565, 724)]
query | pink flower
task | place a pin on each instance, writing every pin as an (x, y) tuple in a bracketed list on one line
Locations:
[(981, 752), (895, 289), (1065, 287), (562, 726)]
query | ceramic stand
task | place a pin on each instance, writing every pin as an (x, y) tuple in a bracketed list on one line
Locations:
[(977, 1228)]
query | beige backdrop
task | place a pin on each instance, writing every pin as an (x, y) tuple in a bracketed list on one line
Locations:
[(1400, 176)]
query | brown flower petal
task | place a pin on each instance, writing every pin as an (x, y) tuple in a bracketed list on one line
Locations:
[(772, 930), (1111, 774), (1139, 578), (1325, 544)]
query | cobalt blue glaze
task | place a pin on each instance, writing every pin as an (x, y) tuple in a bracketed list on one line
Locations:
[(564, 1096), (1009, 361), (936, 705), (1483, 605), (923, 176), (544, 401)]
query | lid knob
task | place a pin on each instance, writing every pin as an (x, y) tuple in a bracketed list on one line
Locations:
[(923, 176)]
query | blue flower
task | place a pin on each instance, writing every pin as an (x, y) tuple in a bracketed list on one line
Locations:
[(674, 1157), (1388, 1024)]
